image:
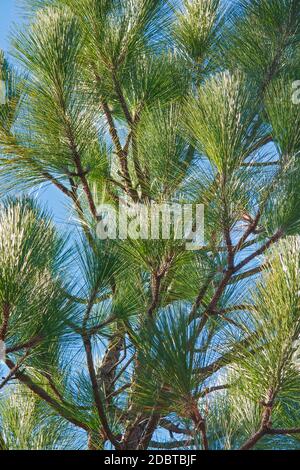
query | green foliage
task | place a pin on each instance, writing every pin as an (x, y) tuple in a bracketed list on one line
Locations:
[(284, 116), (27, 424), (274, 366), (220, 118), (32, 263), (262, 38), (198, 32)]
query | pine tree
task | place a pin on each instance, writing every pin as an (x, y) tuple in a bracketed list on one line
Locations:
[(142, 344)]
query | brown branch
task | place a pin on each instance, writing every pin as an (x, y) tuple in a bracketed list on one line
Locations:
[(200, 424), (28, 344), (61, 410), (119, 374), (264, 141), (251, 228), (199, 299), (246, 274), (226, 359), (56, 183), (76, 156), (212, 306), (155, 290), (74, 174), (101, 413), (92, 372), (141, 176), (249, 243), (89, 196), (149, 431), (283, 431), (273, 69), (223, 249), (226, 231), (127, 143), (12, 372), (122, 358), (80, 214), (279, 234), (106, 373), (119, 390), (120, 152), (115, 137), (173, 428), (5, 320), (172, 444), (56, 391), (211, 309), (265, 423), (121, 98), (83, 301), (216, 388), (230, 252), (80, 169), (95, 329), (260, 164), (253, 439), (156, 281), (235, 308)]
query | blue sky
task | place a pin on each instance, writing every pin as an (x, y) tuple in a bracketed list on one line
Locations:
[(10, 14)]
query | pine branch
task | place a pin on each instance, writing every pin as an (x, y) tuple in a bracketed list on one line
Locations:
[(92, 372), (80, 213), (56, 183), (283, 431), (5, 320), (120, 390), (28, 344), (200, 425), (213, 389), (224, 360), (80, 170), (260, 164), (172, 444), (173, 428), (149, 431), (40, 392), (265, 423), (261, 143), (250, 230), (247, 274), (13, 371), (227, 277), (101, 412), (199, 299), (121, 98), (279, 234), (156, 281)]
